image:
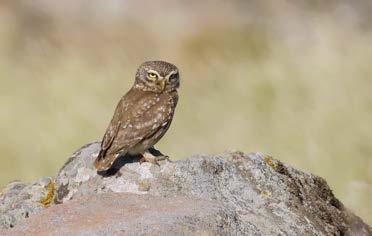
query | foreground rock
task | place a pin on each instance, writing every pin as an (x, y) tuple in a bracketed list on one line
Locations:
[(130, 214), (232, 193)]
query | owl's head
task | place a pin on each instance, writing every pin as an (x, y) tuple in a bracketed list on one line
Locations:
[(157, 76)]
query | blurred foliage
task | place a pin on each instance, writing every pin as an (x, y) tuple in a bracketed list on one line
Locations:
[(289, 78)]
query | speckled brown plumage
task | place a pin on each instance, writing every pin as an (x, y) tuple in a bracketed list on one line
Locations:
[(143, 115)]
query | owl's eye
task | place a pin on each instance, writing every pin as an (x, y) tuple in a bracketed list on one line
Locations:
[(152, 76), (172, 77)]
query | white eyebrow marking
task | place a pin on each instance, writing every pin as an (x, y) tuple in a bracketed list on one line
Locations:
[(171, 73)]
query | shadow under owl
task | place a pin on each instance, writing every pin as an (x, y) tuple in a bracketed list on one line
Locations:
[(127, 158)]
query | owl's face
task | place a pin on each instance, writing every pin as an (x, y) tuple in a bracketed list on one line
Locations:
[(157, 76)]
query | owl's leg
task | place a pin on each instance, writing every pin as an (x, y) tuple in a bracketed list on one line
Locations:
[(149, 157)]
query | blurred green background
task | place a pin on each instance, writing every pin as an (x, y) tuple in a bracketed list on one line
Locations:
[(288, 78)]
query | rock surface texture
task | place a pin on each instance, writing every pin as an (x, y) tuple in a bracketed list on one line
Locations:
[(228, 194)]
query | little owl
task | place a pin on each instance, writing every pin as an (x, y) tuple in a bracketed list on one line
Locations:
[(143, 114)]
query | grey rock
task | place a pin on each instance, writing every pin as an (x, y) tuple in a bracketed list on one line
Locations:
[(21, 200), (131, 214), (255, 193)]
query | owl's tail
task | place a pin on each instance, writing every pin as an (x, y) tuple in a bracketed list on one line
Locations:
[(104, 161)]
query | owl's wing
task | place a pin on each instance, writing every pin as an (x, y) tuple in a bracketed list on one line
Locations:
[(137, 118), (112, 131), (150, 116)]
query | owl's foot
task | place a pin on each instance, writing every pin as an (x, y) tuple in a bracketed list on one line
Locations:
[(148, 157)]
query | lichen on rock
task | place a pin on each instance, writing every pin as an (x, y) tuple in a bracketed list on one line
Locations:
[(21, 200), (48, 199)]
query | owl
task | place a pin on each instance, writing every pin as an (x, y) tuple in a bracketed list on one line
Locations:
[(142, 116)]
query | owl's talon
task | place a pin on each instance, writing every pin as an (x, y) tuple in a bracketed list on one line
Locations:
[(142, 160), (167, 158), (148, 157)]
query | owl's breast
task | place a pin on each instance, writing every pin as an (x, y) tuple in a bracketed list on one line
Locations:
[(150, 121)]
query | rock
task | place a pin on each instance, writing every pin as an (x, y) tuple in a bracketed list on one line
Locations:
[(20, 200), (233, 193), (130, 214)]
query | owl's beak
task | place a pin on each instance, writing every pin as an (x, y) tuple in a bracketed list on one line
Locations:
[(162, 84)]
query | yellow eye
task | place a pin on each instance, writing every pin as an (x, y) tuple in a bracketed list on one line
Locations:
[(152, 76)]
